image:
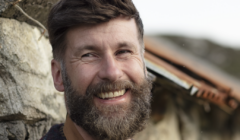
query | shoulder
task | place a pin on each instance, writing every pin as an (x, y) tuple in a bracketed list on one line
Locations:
[(55, 133)]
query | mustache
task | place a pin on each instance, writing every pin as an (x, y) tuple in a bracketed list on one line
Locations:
[(108, 86)]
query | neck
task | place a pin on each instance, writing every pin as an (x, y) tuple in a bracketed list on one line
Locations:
[(83, 133), (74, 132)]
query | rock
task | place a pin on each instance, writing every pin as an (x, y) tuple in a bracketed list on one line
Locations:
[(12, 131), (37, 130), (19, 130), (26, 87), (37, 9)]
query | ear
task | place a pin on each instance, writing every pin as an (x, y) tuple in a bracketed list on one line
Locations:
[(57, 75)]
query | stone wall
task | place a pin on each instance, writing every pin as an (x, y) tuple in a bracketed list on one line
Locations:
[(29, 103), (37, 9)]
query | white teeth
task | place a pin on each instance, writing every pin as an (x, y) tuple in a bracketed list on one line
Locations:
[(121, 92), (111, 94), (101, 95), (116, 93), (106, 95)]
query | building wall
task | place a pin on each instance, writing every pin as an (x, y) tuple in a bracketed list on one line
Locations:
[(178, 117)]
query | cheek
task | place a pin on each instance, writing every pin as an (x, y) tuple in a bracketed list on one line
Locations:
[(83, 76), (134, 70)]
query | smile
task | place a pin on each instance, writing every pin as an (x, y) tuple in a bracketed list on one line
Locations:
[(109, 95)]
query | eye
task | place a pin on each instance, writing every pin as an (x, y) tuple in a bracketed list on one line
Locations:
[(123, 54), (89, 57)]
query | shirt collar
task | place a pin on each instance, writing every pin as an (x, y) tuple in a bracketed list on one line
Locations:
[(70, 130)]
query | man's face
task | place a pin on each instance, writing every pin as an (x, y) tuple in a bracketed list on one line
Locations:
[(106, 90), (108, 52)]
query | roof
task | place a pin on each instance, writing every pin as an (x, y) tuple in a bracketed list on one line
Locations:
[(199, 78)]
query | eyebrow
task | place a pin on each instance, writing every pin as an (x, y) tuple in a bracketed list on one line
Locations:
[(126, 44)]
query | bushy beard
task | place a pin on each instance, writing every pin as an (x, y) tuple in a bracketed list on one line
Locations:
[(109, 122)]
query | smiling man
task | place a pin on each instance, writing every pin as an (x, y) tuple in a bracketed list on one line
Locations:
[(98, 64)]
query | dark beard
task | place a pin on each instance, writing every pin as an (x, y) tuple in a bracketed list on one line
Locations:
[(115, 122)]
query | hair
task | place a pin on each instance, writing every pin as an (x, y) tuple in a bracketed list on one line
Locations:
[(69, 13)]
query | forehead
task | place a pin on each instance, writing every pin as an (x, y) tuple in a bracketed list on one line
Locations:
[(115, 31)]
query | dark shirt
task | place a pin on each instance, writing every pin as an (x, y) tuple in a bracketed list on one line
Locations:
[(55, 133)]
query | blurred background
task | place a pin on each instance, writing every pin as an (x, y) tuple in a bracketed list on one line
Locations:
[(207, 28), (208, 31)]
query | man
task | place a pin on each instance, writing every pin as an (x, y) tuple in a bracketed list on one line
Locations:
[(98, 64)]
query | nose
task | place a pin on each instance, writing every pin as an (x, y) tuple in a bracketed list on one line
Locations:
[(110, 69)]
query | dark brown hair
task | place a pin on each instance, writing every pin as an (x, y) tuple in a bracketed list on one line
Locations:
[(68, 13)]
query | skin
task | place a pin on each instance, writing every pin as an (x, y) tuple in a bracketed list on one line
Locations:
[(105, 52)]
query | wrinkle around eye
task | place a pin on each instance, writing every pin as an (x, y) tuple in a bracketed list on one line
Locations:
[(89, 57), (125, 54), (75, 59)]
